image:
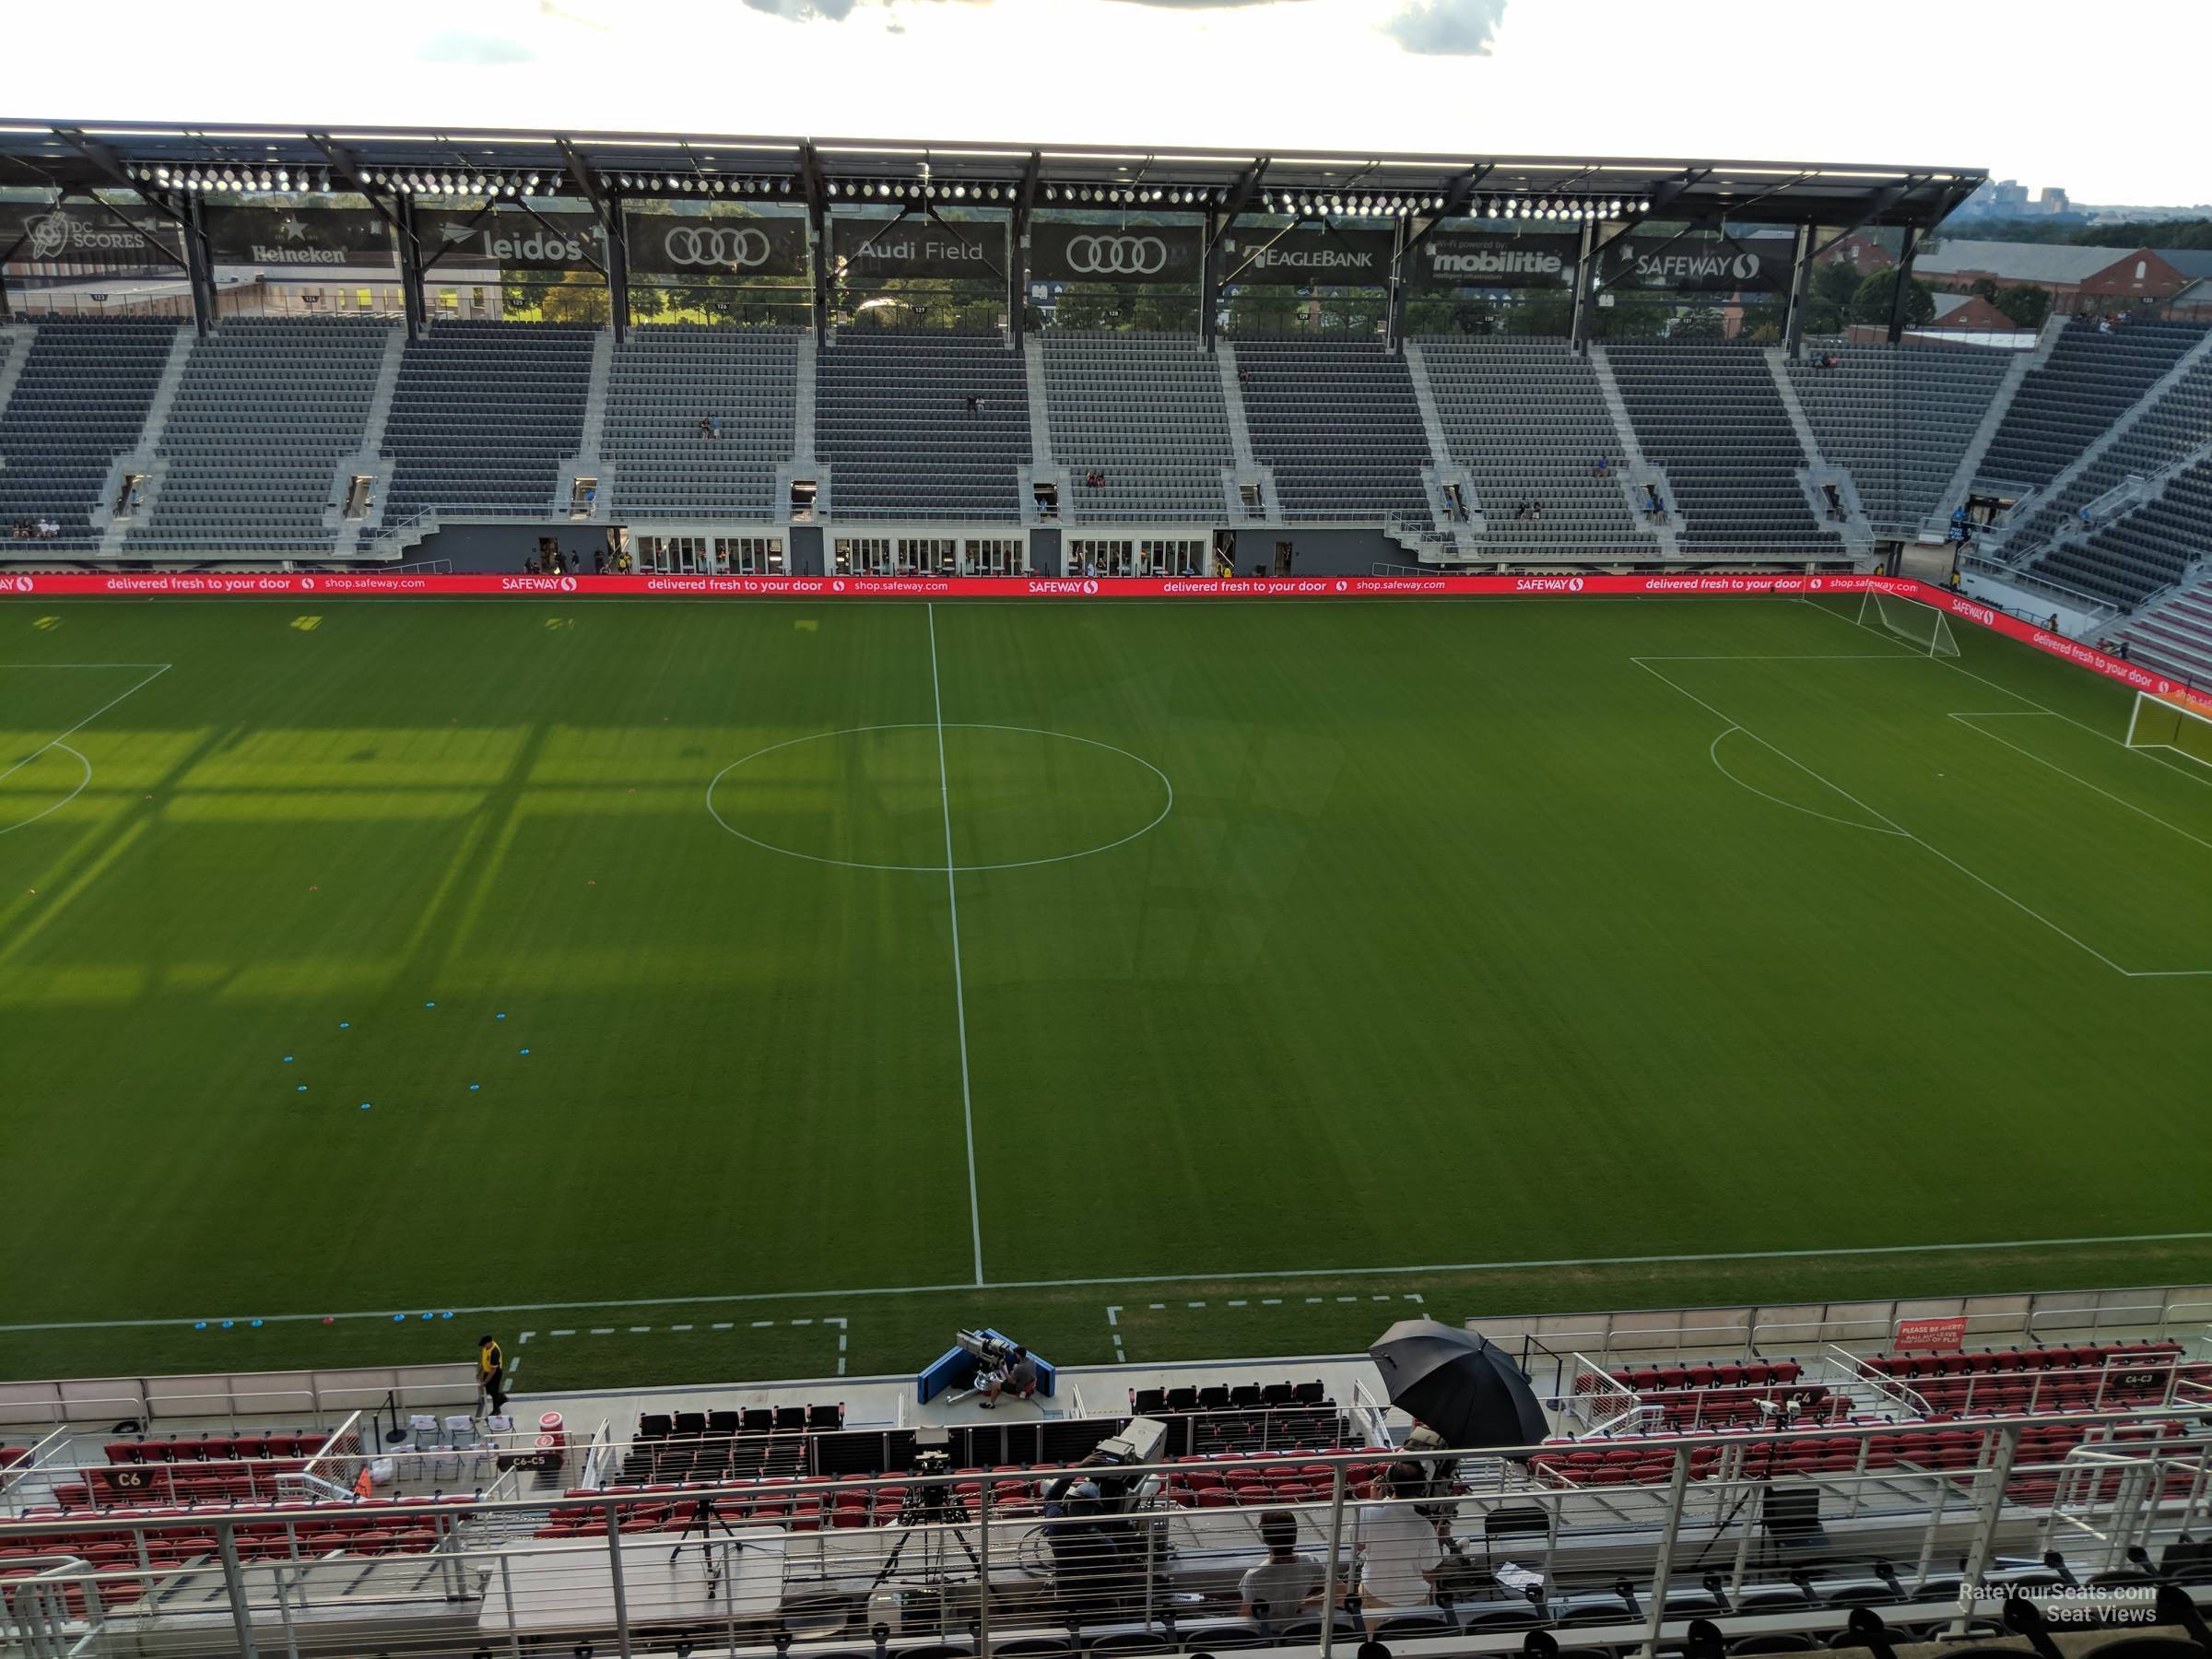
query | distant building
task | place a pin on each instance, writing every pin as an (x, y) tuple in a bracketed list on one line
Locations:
[(2079, 279)]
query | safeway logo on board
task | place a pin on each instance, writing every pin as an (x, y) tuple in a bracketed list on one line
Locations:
[(1090, 587), (306, 584), (1341, 586), (568, 585), (23, 584), (837, 587), (1574, 584)]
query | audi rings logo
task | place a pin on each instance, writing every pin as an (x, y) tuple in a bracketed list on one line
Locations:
[(568, 585), (725, 246), (1117, 256)]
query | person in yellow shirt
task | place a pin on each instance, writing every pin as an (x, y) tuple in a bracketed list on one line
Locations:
[(491, 1374)]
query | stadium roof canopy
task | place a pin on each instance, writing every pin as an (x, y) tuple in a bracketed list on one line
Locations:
[(847, 171)]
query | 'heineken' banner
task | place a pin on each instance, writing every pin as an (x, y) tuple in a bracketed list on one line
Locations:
[(1692, 265), (673, 244), (1164, 254), (299, 235), (81, 234), (918, 247), (1460, 259), (509, 238), (1307, 255)]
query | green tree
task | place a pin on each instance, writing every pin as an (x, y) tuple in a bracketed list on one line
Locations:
[(1258, 309), (1699, 323), (1870, 303), (1985, 287), (2027, 305), (1828, 295)]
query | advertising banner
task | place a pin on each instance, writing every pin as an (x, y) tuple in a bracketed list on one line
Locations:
[(299, 235), (869, 250), (1464, 259), (79, 234), (731, 244), (1931, 1335), (1307, 255), (1695, 264), (510, 238), (1101, 253)]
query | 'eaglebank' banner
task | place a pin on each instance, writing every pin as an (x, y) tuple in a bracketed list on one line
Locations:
[(167, 584), (1326, 257)]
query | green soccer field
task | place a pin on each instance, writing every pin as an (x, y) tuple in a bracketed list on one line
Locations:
[(595, 972)]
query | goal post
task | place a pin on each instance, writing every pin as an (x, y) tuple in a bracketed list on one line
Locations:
[(1922, 626), (2168, 720)]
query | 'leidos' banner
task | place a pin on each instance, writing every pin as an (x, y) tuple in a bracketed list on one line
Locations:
[(1690, 264), (84, 235), (1165, 253), (1458, 259), (918, 247), (671, 244), (1306, 255), (510, 238), (299, 235)]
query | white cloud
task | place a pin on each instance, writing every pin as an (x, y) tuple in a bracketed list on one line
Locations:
[(1447, 28), (466, 46)]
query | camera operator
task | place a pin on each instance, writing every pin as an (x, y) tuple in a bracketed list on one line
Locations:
[(1018, 1374), (1089, 1548)]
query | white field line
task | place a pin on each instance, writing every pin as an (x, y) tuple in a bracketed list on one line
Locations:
[(2018, 696), (959, 994), (1713, 753), (1967, 721), (88, 720), (1110, 1281), (57, 805), (1965, 870)]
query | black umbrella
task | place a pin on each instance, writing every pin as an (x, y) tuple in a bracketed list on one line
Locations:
[(1462, 1387)]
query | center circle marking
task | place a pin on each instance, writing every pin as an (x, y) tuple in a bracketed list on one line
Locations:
[(1166, 784)]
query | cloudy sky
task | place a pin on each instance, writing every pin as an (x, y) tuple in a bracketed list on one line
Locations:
[(2033, 91)]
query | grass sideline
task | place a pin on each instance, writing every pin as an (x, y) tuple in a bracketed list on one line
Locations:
[(1478, 932)]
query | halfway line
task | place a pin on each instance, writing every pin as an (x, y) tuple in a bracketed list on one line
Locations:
[(959, 994)]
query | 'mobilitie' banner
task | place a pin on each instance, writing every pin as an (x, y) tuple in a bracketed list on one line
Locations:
[(1453, 259)]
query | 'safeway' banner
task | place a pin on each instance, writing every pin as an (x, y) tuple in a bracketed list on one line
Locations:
[(164, 584)]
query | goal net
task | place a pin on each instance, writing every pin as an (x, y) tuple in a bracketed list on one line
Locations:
[(1921, 626), (2171, 722)]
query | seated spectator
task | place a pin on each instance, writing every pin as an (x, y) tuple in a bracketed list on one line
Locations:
[(1535, 509), (1286, 1583), (1400, 1553), (714, 426)]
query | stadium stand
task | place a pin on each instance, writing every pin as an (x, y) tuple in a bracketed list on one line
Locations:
[(1898, 417), (1144, 412), (665, 382), (2164, 430), (81, 400), (893, 421), (2176, 634), (484, 416), (1528, 421), (1338, 422), (2149, 549), (2088, 382), (1711, 416), (266, 410)]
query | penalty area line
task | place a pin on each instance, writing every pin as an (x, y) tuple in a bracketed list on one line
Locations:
[(1240, 1277)]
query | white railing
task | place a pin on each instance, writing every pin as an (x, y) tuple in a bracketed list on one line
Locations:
[(901, 1560)]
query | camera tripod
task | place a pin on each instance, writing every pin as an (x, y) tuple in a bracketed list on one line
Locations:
[(933, 1503), (704, 1522)]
